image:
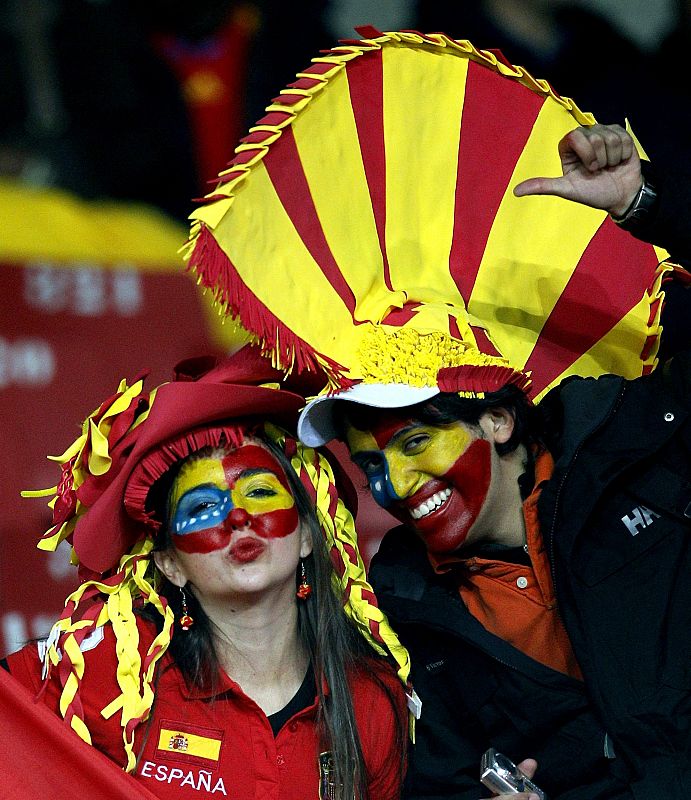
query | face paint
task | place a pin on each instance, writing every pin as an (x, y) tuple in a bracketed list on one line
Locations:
[(368, 449), (449, 507), (374, 464), (213, 497), (432, 477)]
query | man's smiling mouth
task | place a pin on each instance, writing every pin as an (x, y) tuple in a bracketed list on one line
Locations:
[(432, 503)]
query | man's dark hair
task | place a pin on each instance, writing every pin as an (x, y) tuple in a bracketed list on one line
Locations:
[(448, 407)]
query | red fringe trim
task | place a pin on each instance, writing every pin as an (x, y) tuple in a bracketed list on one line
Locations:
[(368, 32), (481, 380), (217, 273), (677, 273), (156, 463)]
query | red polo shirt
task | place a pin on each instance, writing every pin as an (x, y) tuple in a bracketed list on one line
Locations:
[(198, 744)]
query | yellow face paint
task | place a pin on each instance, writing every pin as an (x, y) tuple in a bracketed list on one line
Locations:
[(260, 493), (245, 488), (197, 472), (432, 477), (400, 456)]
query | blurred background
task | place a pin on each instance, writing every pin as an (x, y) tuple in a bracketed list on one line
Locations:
[(116, 114)]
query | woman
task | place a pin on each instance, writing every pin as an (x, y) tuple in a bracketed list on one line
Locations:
[(206, 650)]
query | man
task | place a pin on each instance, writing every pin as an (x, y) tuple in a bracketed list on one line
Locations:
[(544, 604), (540, 578)]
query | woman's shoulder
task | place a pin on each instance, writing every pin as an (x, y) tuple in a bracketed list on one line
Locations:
[(98, 649), (380, 710), (374, 683)]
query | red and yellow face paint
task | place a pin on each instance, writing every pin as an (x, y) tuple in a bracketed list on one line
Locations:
[(432, 477), (245, 489)]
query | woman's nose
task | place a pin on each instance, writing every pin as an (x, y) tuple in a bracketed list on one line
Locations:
[(238, 518)]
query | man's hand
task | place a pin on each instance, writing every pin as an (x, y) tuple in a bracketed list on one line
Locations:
[(600, 168), (527, 767)]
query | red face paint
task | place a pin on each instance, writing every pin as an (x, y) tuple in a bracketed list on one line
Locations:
[(259, 503), (387, 425), (446, 529)]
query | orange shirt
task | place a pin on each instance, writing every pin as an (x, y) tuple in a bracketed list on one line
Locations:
[(516, 602)]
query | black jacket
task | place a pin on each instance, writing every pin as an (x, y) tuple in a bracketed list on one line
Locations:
[(614, 519)]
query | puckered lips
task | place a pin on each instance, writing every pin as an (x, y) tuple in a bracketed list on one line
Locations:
[(246, 549)]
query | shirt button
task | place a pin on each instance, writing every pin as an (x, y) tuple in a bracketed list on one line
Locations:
[(521, 582), (280, 761), (669, 417), (293, 727)]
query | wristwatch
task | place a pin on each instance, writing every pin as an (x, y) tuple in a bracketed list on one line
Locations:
[(643, 205)]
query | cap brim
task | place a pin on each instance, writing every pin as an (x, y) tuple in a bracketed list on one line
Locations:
[(316, 423)]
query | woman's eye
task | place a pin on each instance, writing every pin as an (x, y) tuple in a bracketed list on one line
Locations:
[(198, 502), (201, 507), (262, 491)]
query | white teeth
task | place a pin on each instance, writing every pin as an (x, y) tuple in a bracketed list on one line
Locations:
[(431, 504)]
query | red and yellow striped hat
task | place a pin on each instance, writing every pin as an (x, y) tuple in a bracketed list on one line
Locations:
[(366, 227)]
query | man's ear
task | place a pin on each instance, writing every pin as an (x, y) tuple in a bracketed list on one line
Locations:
[(168, 564), (498, 424)]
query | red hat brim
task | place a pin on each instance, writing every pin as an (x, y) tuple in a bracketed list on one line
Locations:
[(106, 532)]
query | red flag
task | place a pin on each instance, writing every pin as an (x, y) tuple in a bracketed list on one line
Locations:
[(40, 755)]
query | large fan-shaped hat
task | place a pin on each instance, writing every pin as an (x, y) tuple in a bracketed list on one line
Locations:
[(366, 227)]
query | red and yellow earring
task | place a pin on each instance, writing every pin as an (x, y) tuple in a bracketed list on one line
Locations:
[(186, 621), (304, 589)]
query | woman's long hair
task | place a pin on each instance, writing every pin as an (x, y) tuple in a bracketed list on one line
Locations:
[(338, 653)]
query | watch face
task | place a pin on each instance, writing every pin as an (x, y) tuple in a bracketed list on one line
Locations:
[(642, 206)]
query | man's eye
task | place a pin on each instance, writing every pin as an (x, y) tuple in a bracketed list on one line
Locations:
[(370, 465), (415, 443)]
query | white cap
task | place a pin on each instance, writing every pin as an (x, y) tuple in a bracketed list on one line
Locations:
[(316, 423)]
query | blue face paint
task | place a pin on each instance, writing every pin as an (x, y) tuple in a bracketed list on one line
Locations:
[(376, 468), (201, 508)]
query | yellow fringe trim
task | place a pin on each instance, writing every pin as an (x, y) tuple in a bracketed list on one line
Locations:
[(98, 461), (136, 686), (657, 293), (405, 355), (339, 530)]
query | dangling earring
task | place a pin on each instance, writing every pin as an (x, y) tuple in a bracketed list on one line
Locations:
[(304, 589), (186, 621)]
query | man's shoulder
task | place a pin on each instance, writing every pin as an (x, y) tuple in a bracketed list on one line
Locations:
[(579, 406), (574, 408), (400, 550)]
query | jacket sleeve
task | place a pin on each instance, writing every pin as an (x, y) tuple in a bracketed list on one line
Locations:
[(675, 376), (438, 768), (670, 225), (444, 762)]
